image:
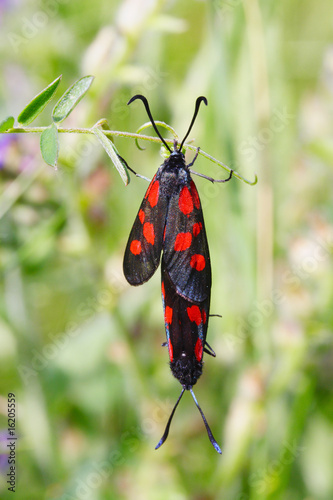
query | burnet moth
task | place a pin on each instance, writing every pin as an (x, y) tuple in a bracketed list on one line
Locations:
[(170, 219)]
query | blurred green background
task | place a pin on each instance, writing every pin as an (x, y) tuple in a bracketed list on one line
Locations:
[(80, 348)]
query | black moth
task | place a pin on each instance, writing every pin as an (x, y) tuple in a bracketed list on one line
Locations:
[(170, 220)]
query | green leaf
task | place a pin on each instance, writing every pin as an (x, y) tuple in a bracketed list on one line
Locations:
[(36, 106), (6, 124), (71, 98), (49, 145), (111, 150)]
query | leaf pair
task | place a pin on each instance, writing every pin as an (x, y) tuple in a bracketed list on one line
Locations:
[(64, 106), (49, 143)]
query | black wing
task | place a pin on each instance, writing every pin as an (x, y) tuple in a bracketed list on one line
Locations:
[(144, 246), (186, 252)]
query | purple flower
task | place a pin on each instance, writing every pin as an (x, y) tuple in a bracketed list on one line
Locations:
[(3, 456), (5, 141), (6, 5)]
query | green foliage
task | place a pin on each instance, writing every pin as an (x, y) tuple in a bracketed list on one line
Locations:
[(71, 98), (49, 142), (6, 124), (110, 149), (49, 145), (36, 106)]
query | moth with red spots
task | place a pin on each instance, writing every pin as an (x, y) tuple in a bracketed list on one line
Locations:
[(170, 220)]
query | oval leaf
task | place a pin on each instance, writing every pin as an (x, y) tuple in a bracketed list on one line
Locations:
[(113, 154), (6, 124), (49, 145), (71, 98), (36, 106)]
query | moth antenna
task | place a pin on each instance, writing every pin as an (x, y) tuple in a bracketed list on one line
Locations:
[(166, 432), (209, 432), (197, 106), (146, 105)]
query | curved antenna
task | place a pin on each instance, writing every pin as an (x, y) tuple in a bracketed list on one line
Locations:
[(209, 432), (146, 105), (166, 432), (197, 106)]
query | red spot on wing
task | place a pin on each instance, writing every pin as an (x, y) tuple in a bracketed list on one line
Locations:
[(168, 315), (183, 241), (198, 350), (185, 201), (194, 314), (163, 290), (150, 186), (204, 316), (152, 193), (195, 195), (135, 247), (141, 216), (197, 228), (149, 233), (198, 262), (170, 351)]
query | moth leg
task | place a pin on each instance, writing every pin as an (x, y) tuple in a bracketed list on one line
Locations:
[(209, 350), (131, 169), (195, 157), (211, 178)]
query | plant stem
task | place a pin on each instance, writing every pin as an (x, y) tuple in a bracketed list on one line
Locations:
[(114, 133)]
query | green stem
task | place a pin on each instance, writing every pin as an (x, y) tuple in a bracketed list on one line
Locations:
[(61, 130), (114, 133)]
